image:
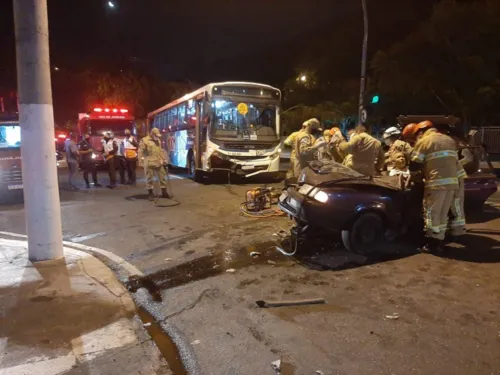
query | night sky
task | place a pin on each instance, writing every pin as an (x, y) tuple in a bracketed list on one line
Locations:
[(187, 39)]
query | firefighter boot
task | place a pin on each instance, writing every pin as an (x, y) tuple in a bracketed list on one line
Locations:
[(151, 195), (432, 246), (164, 193)]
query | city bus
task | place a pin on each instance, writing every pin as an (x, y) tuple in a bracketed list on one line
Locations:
[(232, 127), (101, 120)]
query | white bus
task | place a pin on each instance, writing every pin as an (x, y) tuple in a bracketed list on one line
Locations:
[(232, 127)]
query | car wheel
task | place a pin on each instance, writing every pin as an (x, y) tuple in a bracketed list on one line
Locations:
[(365, 234)]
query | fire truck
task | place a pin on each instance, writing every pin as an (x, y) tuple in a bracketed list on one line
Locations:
[(101, 120)]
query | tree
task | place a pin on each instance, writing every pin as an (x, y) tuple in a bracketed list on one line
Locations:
[(125, 89), (449, 65)]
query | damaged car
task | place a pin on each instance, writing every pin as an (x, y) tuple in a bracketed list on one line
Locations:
[(364, 210)]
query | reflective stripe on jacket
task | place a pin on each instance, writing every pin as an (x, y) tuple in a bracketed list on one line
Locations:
[(367, 154), (438, 154)]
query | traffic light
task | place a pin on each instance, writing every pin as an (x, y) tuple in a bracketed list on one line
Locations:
[(375, 99)]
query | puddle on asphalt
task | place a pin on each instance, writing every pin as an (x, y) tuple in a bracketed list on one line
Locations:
[(216, 264), (164, 343)]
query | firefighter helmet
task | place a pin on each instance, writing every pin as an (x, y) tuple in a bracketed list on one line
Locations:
[(392, 131)]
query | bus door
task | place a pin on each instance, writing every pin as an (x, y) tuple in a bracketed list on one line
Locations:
[(200, 142)]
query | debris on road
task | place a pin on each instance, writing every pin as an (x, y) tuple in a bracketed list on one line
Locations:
[(231, 270), (271, 262), (255, 254), (319, 372), (195, 342), (265, 304), (168, 259), (276, 365), (393, 316), (146, 325)]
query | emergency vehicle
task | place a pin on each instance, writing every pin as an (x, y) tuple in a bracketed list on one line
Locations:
[(101, 120)]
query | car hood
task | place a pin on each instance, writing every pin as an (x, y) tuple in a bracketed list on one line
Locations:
[(332, 173)]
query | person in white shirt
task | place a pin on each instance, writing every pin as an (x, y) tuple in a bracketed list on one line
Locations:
[(130, 145), (400, 161)]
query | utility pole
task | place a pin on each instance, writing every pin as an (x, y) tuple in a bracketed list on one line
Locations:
[(36, 116), (364, 53)]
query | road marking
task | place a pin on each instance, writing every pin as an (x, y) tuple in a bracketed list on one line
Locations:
[(176, 177), (85, 238)]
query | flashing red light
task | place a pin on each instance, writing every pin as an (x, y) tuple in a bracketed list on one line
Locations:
[(55, 139), (193, 118), (123, 110), (61, 136), (97, 109), (115, 110), (106, 110)]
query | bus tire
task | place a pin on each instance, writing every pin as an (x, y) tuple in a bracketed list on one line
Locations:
[(194, 174)]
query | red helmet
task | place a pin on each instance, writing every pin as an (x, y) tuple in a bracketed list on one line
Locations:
[(424, 125), (408, 130)]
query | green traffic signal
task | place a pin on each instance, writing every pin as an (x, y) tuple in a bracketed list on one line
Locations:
[(375, 99)]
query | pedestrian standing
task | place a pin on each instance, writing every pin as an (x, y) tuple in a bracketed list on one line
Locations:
[(88, 164), (110, 149), (155, 162), (72, 155), (119, 159), (130, 151)]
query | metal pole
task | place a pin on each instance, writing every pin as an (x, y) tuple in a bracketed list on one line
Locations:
[(41, 191), (363, 61)]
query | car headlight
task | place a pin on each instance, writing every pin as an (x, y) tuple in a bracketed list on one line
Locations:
[(314, 192), (94, 156), (321, 196)]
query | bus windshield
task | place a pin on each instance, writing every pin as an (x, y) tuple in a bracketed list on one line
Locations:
[(117, 126), (10, 135), (244, 120)]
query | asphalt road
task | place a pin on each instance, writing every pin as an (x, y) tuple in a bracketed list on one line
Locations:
[(399, 313)]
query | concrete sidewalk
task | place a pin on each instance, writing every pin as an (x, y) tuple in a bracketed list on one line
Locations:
[(69, 316)]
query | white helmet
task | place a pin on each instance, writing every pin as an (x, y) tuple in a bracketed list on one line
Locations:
[(391, 132)]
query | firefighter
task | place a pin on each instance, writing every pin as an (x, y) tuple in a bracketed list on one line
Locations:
[(337, 155), (322, 146), (155, 162), (436, 155), (290, 142), (407, 134), (367, 154), (303, 145), (392, 139)]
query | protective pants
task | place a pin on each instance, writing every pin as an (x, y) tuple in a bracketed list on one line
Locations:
[(437, 204), (73, 169), (160, 173), (131, 170), (291, 170), (457, 224)]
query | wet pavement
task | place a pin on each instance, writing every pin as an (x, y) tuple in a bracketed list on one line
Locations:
[(398, 312)]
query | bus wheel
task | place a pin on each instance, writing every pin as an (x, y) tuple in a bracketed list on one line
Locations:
[(194, 174)]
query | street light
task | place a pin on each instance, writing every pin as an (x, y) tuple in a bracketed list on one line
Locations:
[(303, 78), (111, 4)]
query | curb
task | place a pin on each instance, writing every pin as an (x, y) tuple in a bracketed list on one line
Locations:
[(142, 299)]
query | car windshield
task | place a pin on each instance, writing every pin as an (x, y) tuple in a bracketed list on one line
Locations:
[(10, 135), (243, 120), (99, 127)]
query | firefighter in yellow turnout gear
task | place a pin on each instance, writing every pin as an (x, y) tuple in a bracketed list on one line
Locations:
[(155, 162), (304, 145), (290, 142), (436, 155)]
